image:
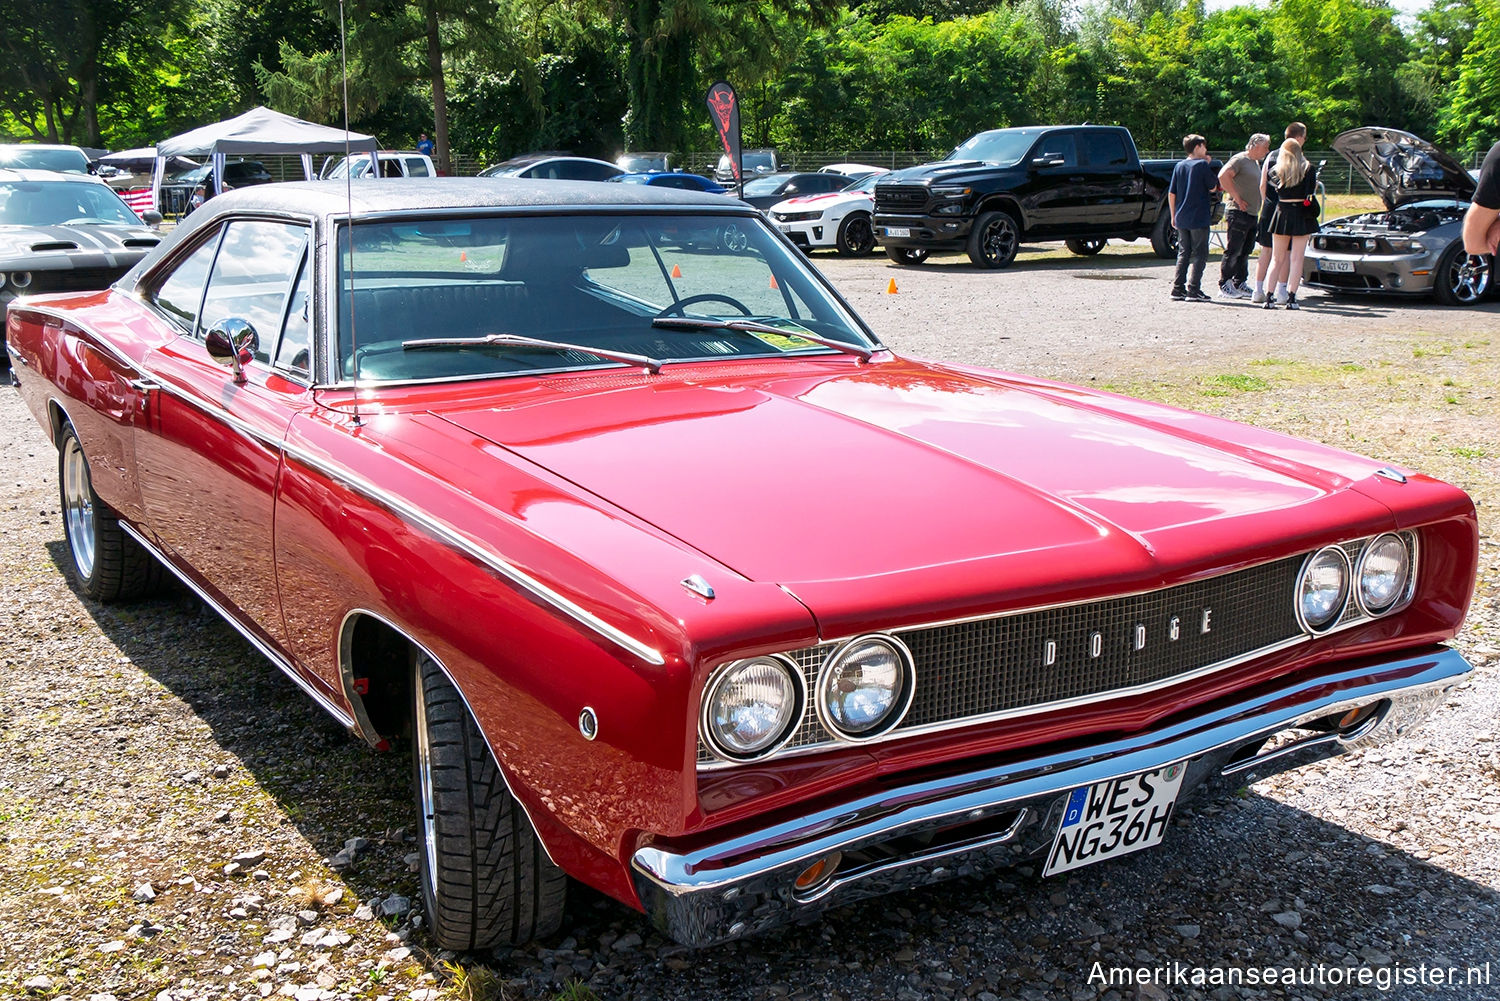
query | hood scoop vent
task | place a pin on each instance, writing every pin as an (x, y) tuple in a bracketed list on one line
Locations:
[(38, 248), (138, 242)]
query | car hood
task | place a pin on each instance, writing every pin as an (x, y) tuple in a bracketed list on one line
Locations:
[(942, 172), (823, 202), (1402, 167), (831, 472), (35, 245)]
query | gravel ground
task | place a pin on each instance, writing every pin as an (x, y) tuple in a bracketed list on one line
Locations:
[(158, 842)]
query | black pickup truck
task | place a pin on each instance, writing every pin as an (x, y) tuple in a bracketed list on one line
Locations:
[(1084, 184)]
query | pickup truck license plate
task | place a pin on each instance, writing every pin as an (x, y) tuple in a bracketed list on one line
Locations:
[(1115, 818), (1325, 265), (897, 231)]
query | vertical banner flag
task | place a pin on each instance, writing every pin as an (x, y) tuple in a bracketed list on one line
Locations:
[(724, 109)]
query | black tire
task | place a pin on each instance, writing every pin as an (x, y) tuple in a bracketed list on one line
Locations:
[(994, 240), (1164, 235), (1086, 247), (108, 564), (906, 255), (856, 237), (1454, 283), (486, 880)]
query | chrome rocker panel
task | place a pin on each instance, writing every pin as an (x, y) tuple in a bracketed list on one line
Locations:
[(1008, 814)]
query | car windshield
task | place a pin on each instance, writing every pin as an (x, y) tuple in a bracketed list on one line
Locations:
[(1002, 147), (764, 185), (866, 183), (68, 161), (577, 280), (62, 203), (361, 166)]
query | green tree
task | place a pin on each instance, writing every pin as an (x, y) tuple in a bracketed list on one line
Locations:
[(1470, 122)]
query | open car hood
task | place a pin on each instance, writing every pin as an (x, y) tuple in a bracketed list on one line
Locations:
[(1402, 167)]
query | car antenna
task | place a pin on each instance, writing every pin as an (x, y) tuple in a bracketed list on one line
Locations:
[(349, 206)]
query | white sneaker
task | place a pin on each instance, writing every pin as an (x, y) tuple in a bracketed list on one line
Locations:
[(1258, 295), (1229, 290), (1244, 291)]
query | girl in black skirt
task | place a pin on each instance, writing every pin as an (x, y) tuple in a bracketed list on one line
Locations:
[(1293, 221)]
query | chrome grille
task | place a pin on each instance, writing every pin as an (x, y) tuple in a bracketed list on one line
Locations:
[(997, 666), (900, 197)]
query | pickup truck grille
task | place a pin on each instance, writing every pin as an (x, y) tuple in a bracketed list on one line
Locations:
[(992, 667), (900, 197)]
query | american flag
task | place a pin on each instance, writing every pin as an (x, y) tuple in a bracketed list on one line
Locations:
[(139, 199)]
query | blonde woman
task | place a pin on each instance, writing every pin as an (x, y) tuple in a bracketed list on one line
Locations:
[(1293, 221)]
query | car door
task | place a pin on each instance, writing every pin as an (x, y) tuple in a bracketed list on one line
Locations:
[(1114, 191), (1053, 196), (210, 451)]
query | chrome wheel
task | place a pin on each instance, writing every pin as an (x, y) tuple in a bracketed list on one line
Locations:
[(734, 239), (1460, 283), (426, 802), (78, 507)]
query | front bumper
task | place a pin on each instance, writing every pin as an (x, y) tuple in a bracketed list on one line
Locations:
[(930, 232), (930, 831), (809, 233), (1405, 273)]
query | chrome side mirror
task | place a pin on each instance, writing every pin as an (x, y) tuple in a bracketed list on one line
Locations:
[(232, 342), (151, 218)]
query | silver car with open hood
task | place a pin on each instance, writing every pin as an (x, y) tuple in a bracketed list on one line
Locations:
[(1415, 245)]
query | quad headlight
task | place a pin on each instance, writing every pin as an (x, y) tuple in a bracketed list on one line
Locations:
[(865, 687), (751, 707), (1323, 589), (19, 279), (1385, 574)]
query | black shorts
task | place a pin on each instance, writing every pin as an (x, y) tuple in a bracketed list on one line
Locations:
[(1263, 224)]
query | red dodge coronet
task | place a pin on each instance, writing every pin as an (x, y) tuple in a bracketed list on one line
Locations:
[(685, 587)]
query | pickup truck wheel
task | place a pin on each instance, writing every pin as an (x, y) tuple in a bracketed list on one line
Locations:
[(486, 881), (1455, 283), (994, 240), (109, 565), (856, 236), (1164, 235), (906, 255), (1086, 248)]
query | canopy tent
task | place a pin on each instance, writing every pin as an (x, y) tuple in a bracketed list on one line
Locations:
[(138, 161), (259, 130)]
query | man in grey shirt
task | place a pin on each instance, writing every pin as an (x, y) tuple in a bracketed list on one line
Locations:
[(1241, 178)]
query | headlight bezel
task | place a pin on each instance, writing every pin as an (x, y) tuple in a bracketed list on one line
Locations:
[(717, 679), (1343, 605), (1408, 542), (900, 708)]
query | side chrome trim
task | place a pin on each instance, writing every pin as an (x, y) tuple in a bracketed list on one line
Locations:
[(347, 674), (398, 505), (275, 658)]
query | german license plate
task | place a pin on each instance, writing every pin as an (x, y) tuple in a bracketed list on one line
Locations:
[(897, 231), (1324, 265), (785, 227), (1115, 818)]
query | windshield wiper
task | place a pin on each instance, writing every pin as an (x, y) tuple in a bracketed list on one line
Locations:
[(651, 365), (755, 327)]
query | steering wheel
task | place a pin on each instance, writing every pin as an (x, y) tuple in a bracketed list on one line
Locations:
[(681, 305)]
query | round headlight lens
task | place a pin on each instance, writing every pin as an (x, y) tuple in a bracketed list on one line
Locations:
[(752, 706), (865, 687), (1323, 590), (1384, 573), (20, 279)]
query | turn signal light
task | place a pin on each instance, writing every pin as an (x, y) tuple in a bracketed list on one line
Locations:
[(818, 873)]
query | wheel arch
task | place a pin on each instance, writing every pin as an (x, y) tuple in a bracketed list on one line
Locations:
[(1003, 203), (370, 642), (57, 416)]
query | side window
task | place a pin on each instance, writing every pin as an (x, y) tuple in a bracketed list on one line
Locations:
[(294, 351), (1060, 144), (415, 167), (182, 293), (251, 276), (1105, 149)]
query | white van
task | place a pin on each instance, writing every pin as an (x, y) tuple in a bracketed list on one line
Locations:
[(393, 163)]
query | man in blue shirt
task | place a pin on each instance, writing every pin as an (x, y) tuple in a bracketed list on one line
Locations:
[(1190, 200), (424, 145)]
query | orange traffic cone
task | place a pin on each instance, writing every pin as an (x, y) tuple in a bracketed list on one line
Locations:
[(676, 271), (891, 288), (463, 255), (774, 286)]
